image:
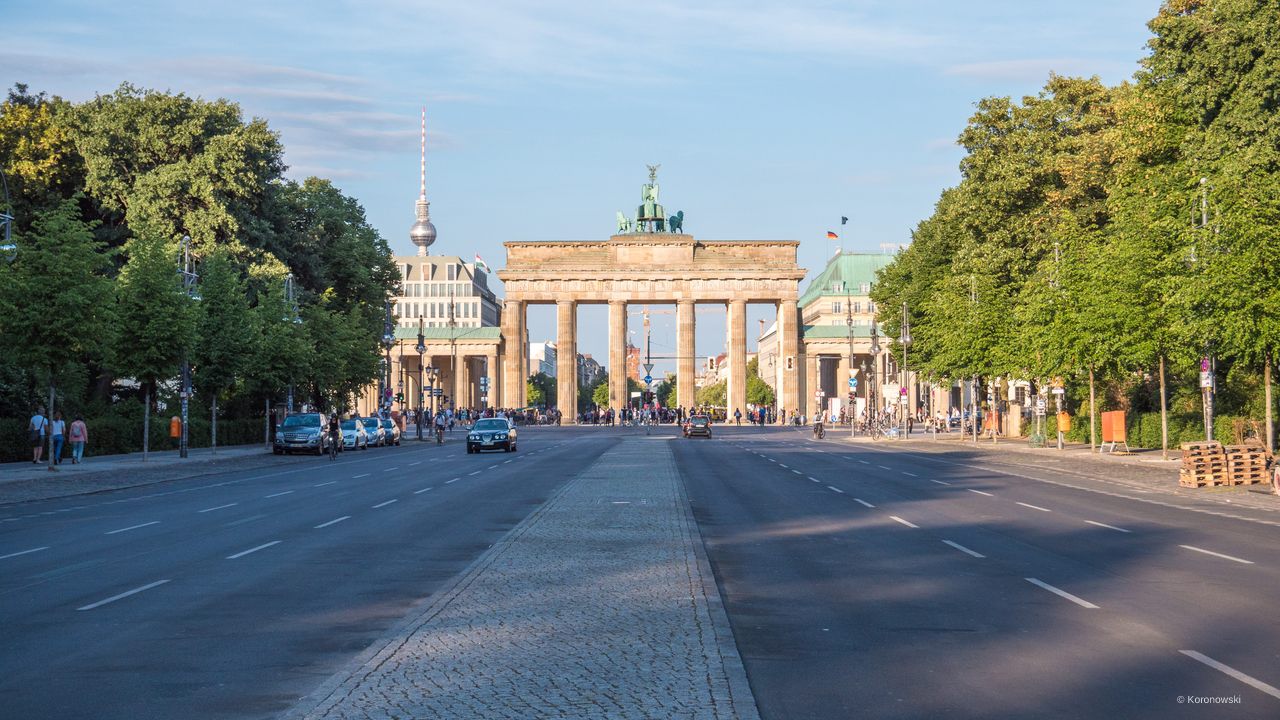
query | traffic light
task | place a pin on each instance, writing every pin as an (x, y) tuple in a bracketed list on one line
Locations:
[(399, 397)]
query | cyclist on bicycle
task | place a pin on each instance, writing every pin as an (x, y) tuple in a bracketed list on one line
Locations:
[(335, 435), (818, 430), (440, 422)]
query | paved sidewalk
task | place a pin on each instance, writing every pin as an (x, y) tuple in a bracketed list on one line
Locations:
[(601, 604), (24, 481)]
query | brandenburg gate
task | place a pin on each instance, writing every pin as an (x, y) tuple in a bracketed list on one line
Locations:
[(645, 263)]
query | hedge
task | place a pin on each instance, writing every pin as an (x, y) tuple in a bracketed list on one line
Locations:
[(1143, 429), (113, 435)]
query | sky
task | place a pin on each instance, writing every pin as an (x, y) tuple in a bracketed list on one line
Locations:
[(771, 119)]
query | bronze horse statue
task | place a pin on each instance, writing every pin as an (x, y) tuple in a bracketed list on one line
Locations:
[(675, 223)]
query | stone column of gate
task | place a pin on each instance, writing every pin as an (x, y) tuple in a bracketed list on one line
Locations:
[(809, 404), (686, 362), (567, 361), (792, 379), (617, 354), (513, 377), (491, 371), (464, 382), (736, 395), (842, 380)]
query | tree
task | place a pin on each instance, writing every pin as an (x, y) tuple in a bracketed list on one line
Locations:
[(713, 395), (758, 391), (284, 354), (225, 344), (56, 297), (600, 393), (157, 323), (542, 389)]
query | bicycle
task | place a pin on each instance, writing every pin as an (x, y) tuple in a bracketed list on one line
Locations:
[(335, 442), (439, 434)]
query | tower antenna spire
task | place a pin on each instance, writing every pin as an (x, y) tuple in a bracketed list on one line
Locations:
[(423, 186), (423, 233)]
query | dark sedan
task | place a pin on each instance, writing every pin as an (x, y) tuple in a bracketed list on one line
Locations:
[(491, 434), (698, 425)]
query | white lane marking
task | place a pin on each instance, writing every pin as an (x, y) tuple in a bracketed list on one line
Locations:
[(884, 467), (493, 467), (1061, 593), (122, 595), (864, 462), (335, 521), (1251, 681), (286, 492), (782, 466), (904, 472), (775, 462), (797, 472), (904, 522), (814, 479), (415, 462), (24, 552), (940, 482), (472, 473), (419, 492), (864, 502), (1034, 507), (979, 492), (384, 504), (506, 462), (392, 468), (1210, 552), (1109, 527), (132, 527), (331, 482), (357, 477), (835, 489), (963, 549), (218, 507), (450, 482), (253, 550), (251, 518)]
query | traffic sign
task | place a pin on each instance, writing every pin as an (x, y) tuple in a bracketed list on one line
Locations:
[(648, 368), (853, 383), (903, 392), (648, 379)]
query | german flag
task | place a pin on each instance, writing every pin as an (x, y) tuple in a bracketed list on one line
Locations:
[(832, 236)]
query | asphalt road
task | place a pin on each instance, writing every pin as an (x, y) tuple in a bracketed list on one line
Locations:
[(868, 581), (231, 596), (860, 580)]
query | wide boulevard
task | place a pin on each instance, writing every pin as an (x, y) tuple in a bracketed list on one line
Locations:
[(842, 579)]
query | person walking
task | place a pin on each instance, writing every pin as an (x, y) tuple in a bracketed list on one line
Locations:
[(35, 432), (58, 428), (79, 436)]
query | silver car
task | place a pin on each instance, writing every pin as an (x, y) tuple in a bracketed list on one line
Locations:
[(376, 436), (354, 436)]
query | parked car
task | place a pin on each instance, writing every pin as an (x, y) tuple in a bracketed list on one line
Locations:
[(354, 435), (391, 432), (491, 434), (302, 431), (373, 427), (698, 425)]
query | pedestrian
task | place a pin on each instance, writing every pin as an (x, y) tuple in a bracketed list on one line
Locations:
[(35, 434), (79, 436), (737, 416), (58, 429)]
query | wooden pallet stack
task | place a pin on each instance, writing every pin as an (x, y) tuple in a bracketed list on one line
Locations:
[(1246, 465), (1203, 464)]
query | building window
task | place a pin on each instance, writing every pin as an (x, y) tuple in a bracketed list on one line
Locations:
[(864, 288), (452, 272), (856, 307), (871, 307), (836, 306)]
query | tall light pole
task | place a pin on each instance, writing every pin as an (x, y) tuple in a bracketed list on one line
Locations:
[(189, 279), (873, 401), (388, 339), (422, 374), (905, 339)]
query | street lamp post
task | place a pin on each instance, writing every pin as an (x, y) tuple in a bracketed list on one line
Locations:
[(189, 279), (905, 339), (422, 374), (388, 339), (872, 399)]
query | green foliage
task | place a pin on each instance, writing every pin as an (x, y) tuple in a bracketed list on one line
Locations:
[(55, 298), (225, 343), (157, 321), (600, 393), (542, 389), (758, 391), (713, 395)]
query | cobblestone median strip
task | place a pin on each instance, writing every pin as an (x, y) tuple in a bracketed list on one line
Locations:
[(600, 604)]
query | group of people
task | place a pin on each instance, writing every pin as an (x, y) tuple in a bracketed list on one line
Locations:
[(54, 431)]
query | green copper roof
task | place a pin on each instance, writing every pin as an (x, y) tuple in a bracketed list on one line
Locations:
[(851, 268), (814, 332), (443, 333)]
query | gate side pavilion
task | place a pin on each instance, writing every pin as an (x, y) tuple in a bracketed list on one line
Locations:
[(654, 268)]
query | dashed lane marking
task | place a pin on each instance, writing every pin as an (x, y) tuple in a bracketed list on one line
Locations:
[(814, 479), (419, 492), (963, 549), (335, 521), (1247, 680), (1034, 507), (477, 472), (132, 527), (123, 595), (940, 482), (904, 522), (331, 482), (1061, 593), (1224, 557), (357, 477), (904, 472), (1109, 527), (980, 492), (23, 552), (263, 546), (286, 492), (384, 504), (864, 502), (835, 489), (217, 507)]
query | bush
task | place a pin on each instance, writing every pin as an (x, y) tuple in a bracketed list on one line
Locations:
[(113, 434), (1143, 429)]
